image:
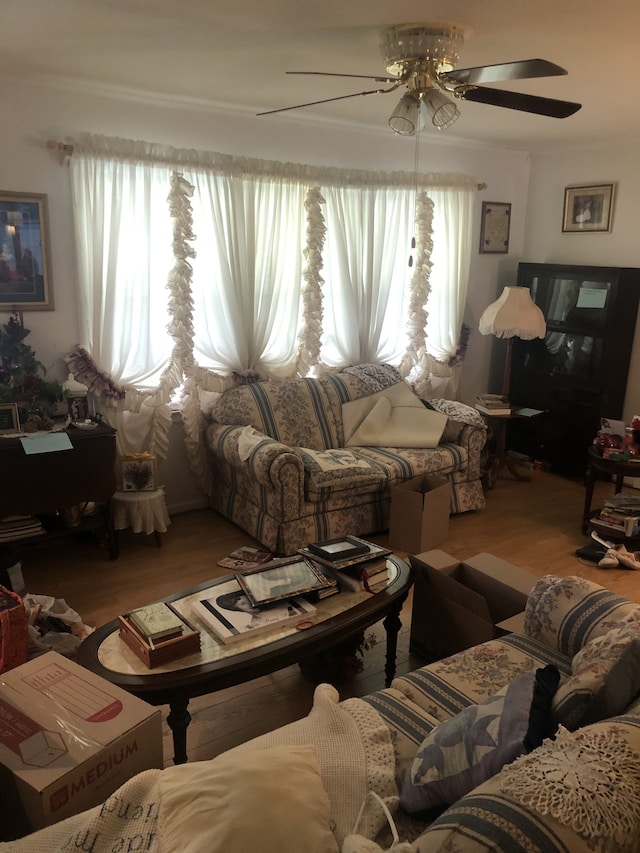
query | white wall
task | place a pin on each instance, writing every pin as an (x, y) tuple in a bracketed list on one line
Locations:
[(551, 172), (34, 115)]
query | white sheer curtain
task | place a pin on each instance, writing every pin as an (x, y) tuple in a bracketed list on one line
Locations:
[(124, 247), (199, 265), (247, 273), (366, 272), (450, 259)]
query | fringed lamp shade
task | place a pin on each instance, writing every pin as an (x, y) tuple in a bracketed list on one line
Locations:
[(513, 315)]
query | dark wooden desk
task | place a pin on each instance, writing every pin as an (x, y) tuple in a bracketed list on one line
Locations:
[(47, 484), (607, 469), (217, 666)]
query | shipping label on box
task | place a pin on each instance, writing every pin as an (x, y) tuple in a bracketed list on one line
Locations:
[(419, 514), (69, 739)]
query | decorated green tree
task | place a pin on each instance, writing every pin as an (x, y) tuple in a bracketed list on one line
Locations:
[(22, 375)]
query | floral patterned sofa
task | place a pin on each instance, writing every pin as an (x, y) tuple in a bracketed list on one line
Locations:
[(282, 473), (529, 743)]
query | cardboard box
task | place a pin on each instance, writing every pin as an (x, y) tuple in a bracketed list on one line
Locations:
[(419, 516), (460, 604), (68, 739)]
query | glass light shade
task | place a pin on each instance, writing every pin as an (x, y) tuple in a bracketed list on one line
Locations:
[(442, 110), (405, 119), (439, 43), (513, 314)]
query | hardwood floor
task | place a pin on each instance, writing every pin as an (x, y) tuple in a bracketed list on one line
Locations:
[(535, 525)]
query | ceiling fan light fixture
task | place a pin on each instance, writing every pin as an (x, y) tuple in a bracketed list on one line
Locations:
[(442, 111), (409, 43), (407, 116)]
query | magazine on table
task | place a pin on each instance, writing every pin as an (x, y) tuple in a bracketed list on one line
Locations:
[(227, 611)]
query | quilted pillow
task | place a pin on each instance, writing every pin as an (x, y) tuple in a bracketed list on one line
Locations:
[(461, 753), (605, 679)]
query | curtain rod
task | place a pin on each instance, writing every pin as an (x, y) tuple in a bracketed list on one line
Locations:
[(65, 150)]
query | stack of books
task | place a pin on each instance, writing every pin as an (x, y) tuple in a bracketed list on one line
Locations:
[(493, 404), (19, 527), (619, 516), (365, 569)]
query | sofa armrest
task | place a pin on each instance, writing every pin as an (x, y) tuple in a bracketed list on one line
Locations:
[(566, 612), (269, 462), (465, 427)]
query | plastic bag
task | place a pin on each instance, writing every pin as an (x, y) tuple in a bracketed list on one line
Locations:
[(53, 626)]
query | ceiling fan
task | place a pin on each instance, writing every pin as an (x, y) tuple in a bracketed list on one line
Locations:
[(422, 57)]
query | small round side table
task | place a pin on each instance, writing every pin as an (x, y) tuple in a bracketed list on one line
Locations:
[(143, 512)]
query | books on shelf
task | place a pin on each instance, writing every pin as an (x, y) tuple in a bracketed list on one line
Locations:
[(620, 515), (156, 622), (493, 404), (14, 527), (229, 614)]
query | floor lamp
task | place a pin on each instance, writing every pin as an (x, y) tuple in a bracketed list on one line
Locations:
[(513, 315)]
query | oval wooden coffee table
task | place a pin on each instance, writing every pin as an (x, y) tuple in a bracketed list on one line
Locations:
[(217, 666)]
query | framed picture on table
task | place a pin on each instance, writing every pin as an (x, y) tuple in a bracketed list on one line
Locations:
[(9, 420)]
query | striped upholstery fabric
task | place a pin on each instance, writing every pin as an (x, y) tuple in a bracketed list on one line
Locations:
[(567, 612), (444, 688), (295, 412)]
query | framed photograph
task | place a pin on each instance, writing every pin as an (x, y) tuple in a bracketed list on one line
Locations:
[(25, 264), (9, 420), (337, 560), (494, 228), (279, 579), (588, 209), (339, 549), (138, 475)]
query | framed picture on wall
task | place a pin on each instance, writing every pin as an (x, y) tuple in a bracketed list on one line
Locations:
[(588, 208), (494, 227), (25, 264)]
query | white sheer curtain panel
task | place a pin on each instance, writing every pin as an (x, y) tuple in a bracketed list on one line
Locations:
[(449, 279), (366, 271), (123, 239), (247, 273)]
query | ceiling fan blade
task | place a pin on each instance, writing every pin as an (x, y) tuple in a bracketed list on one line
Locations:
[(522, 70), (334, 74), (519, 101), (323, 101)]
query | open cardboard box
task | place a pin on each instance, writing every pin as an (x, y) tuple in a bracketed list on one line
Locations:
[(419, 513), (460, 604), (68, 739)]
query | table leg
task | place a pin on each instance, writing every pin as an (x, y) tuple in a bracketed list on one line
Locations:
[(178, 720), (392, 625), (589, 482)]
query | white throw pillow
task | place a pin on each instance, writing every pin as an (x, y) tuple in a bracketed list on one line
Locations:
[(270, 800)]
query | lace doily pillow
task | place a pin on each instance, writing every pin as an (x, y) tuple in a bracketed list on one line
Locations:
[(588, 780)]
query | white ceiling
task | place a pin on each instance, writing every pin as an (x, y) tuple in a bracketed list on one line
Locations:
[(235, 54)]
